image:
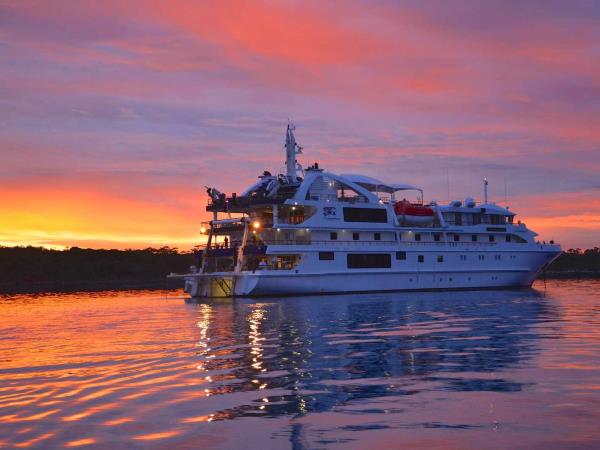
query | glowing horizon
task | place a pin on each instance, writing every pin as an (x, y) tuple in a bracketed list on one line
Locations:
[(116, 115)]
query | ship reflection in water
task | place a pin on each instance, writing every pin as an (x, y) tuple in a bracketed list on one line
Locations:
[(492, 369)]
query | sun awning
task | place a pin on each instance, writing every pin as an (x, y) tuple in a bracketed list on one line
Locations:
[(375, 185)]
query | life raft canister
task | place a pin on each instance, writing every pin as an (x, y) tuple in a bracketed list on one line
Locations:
[(405, 208)]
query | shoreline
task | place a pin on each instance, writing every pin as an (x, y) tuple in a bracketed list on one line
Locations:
[(90, 286), (169, 284)]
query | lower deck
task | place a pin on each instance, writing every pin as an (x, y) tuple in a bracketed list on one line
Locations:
[(316, 273)]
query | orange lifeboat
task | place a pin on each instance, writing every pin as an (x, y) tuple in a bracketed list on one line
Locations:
[(409, 214)]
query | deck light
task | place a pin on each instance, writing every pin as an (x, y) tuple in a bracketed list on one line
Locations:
[(202, 230), (256, 225)]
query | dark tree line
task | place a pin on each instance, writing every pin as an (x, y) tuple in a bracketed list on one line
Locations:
[(31, 267), (577, 261), (25, 269)]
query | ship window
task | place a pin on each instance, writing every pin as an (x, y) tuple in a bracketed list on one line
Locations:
[(481, 257), (375, 215), (421, 258), (401, 256), (463, 257), (333, 235), (318, 187), (399, 236), (369, 260), (436, 237), (507, 237), (345, 193), (474, 237), (458, 219), (377, 236), (326, 256), (440, 258), (456, 237), (492, 238), (417, 236), (497, 257), (355, 236), (476, 219), (295, 214)]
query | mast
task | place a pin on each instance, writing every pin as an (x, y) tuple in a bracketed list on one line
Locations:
[(291, 150), (485, 190)]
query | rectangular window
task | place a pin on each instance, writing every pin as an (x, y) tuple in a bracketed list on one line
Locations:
[(474, 237), (456, 237), (377, 236), (326, 256), (436, 237), (369, 260), (400, 256), (355, 236), (333, 235), (365, 215), (507, 237), (492, 238), (421, 258), (440, 258), (417, 236)]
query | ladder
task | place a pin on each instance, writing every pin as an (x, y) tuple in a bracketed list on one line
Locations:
[(226, 287)]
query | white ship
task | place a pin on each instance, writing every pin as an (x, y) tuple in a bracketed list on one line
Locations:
[(310, 231)]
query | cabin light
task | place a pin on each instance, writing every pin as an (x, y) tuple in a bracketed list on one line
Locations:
[(295, 203), (278, 229), (307, 229), (256, 225), (202, 230), (293, 208)]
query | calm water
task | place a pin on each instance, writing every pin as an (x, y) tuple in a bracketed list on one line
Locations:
[(506, 369)]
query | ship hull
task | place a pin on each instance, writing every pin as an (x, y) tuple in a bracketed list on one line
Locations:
[(279, 283)]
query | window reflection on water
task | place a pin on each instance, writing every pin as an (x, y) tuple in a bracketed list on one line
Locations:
[(326, 351)]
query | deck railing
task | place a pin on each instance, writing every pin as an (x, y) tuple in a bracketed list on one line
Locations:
[(220, 250), (378, 243)]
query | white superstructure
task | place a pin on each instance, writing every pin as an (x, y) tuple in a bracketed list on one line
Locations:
[(310, 231)]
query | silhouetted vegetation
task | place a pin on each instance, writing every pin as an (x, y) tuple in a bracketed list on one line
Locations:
[(576, 262), (25, 269), (31, 269)]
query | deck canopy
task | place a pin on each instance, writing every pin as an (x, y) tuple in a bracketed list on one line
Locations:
[(375, 185)]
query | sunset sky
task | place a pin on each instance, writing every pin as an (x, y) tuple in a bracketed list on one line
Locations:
[(115, 114)]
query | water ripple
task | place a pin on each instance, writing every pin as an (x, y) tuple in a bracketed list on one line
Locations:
[(146, 369)]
